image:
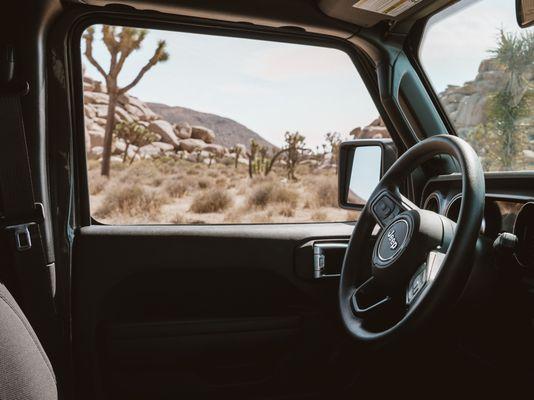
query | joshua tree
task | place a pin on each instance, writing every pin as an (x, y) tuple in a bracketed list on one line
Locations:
[(516, 55), (120, 45), (251, 155), (237, 151), (295, 147), (134, 134), (293, 150), (211, 156), (198, 152), (334, 141)]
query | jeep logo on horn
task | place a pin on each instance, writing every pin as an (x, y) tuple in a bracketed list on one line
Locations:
[(392, 240)]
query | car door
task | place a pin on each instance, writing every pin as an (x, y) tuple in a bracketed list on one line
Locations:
[(205, 303)]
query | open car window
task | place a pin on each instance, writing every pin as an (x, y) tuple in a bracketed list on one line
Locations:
[(482, 66), (185, 128)]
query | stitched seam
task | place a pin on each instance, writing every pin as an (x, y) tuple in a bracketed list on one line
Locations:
[(32, 336)]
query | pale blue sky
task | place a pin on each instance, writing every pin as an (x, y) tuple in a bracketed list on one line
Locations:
[(456, 41), (274, 87), (267, 86)]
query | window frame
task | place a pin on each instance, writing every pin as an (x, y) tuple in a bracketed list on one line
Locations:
[(196, 26)]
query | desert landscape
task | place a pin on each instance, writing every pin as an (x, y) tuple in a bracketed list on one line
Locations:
[(155, 163), (181, 192), (175, 173)]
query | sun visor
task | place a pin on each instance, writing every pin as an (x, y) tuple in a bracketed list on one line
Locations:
[(392, 8), (367, 13)]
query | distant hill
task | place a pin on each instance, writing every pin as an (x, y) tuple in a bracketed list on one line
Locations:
[(227, 131)]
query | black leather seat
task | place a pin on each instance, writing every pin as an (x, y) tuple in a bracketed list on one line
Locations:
[(25, 370)]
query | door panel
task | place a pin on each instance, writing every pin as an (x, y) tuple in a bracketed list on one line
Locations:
[(202, 310)]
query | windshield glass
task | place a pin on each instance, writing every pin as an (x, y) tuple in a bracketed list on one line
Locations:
[(481, 64)]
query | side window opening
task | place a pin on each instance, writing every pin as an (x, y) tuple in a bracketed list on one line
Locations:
[(482, 66), (214, 130)]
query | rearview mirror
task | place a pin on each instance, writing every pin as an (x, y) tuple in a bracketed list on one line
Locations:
[(361, 165), (524, 10)]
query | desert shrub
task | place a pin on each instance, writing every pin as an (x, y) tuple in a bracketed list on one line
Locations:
[(118, 166), (142, 172), (93, 164), (286, 211), (203, 183), (131, 200), (213, 174), (319, 216), (263, 195), (178, 219), (221, 182), (97, 184), (167, 165), (352, 215), (227, 162), (176, 187), (156, 181), (212, 200), (326, 192)]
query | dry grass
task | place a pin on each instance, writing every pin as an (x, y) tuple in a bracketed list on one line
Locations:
[(97, 183), (210, 201), (326, 192), (319, 216), (287, 210), (176, 188), (131, 200), (178, 191), (204, 183), (269, 193)]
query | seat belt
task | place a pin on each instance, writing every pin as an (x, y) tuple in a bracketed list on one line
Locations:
[(23, 218)]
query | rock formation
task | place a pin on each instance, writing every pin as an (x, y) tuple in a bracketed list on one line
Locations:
[(173, 139)]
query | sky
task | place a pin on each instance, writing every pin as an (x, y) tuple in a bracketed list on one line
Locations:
[(273, 87), (457, 40)]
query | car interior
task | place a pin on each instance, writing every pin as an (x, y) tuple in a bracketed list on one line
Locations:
[(428, 290)]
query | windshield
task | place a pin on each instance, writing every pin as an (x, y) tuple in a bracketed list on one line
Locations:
[(481, 64)]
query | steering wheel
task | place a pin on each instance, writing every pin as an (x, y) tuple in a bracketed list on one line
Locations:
[(421, 260)]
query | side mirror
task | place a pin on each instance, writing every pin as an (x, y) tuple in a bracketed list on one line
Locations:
[(524, 10), (362, 163)]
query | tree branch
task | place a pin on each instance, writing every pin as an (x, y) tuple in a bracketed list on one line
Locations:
[(89, 36), (159, 55)]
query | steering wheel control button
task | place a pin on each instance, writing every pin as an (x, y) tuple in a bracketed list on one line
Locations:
[(393, 240), (416, 284), (385, 209)]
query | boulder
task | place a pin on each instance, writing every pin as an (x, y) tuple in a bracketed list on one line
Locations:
[(97, 151), (182, 130), (149, 151), (96, 137), (163, 146), (101, 111), (165, 130), (202, 133), (374, 132), (147, 113), (95, 98), (122, 115), (89, 111), (242, 148), (191, 144), (215, 149), (136, 112)]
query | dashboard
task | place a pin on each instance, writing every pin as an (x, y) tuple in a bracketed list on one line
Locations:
[(509, 206)]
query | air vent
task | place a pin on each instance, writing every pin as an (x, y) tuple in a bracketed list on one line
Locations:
[(433, 203)]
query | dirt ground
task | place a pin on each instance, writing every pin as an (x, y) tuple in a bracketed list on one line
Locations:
[(175, 191)]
